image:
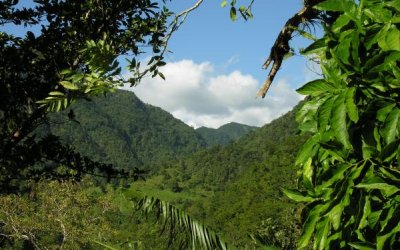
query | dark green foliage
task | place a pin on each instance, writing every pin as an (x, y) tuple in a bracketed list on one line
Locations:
[(72, 55), (224, 134), (122, 130), (350, 165), (242, 183)]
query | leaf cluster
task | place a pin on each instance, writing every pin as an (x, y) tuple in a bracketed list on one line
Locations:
[(349, 166)]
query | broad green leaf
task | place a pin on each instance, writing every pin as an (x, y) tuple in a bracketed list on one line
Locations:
[(69, 85), (297, 196), (340, 22), (322, 235), (324, 113), (351, 106), (390, 228), (390, 151), (394, 4), (315, 47), (336, 175), (309, 226), (389, 128), (335, 215), (308, 174), (343, 49), (389, 40), (379, 184), (378, 14), (338, 121), (306, 151), (336, 5), (362, 246), (384, 112), (316, 87), (368, 151), (365, 213)]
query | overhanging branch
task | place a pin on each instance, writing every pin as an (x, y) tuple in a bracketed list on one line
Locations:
[(281, 46)]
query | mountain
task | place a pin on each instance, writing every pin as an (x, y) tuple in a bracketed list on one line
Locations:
[(224, 134), (122, 130), (235, 189), (239, 186)]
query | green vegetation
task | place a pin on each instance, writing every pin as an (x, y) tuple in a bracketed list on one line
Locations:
[(73, 55), (224, 134), (222, 187), (122, 130), (350, 165), (349, 158)]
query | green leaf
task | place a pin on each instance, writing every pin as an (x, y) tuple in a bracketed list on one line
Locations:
[(390, 151), (317, 46), (233, 13), (322, 235), (306, 151), (384, 239), (382, 113), (69, 85), (343, 49), (338, 121), (324, 113), (56, 93), (308, 174), (379, 184), (336, 5), (389, 40), (223, 4), (351, 107), (394, 4), (297, 196), (309, 226), (340, 22), (389, 128), (362, 245), (316, 87)]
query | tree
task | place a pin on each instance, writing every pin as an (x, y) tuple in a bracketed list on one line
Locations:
[(69, 52), (350, 166)]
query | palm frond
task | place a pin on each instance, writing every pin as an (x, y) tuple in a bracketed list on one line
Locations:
[(197, 234)]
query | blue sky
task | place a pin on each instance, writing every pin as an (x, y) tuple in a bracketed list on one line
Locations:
[(214, 70), (210, 35)]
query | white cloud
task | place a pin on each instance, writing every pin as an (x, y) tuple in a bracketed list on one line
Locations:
[(199, 96)]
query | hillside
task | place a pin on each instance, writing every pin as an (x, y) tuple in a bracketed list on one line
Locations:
[(224, 134), (236, 189), (123, 130)]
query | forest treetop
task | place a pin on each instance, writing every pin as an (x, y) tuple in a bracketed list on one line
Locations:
[(73, 56)]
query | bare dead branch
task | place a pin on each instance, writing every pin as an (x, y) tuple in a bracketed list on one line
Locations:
[(281, 46)]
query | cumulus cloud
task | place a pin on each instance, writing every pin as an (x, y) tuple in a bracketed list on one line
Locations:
[(199, 96)]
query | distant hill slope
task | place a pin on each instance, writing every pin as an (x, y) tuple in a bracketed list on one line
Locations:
[(224, 134), (123, 130), (246, 179)]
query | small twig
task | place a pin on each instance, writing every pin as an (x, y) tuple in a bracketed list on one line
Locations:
[(176, 23)]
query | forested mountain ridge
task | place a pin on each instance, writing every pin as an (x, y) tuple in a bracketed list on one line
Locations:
[(224, 134), (241, 183), (233, 189), (122, 130)]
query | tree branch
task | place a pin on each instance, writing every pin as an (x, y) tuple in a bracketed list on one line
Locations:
[(281, 46)]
